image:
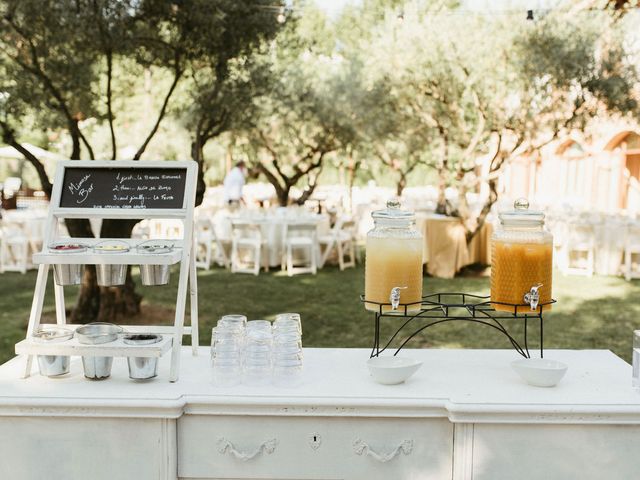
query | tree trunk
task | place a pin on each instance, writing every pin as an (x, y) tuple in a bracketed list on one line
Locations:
[(283, 196), (197, 155), (353, 168), (441, 206), (464, 212), (107, 304), (486, 208), (401, 184)]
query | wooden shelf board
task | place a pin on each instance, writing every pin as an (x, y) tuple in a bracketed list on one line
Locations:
[(88, 257), (116, 348)]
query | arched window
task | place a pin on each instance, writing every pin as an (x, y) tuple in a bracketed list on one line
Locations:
[(570, 148), (627, 140)]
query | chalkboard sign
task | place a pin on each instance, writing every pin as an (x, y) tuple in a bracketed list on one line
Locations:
[(144, 187)]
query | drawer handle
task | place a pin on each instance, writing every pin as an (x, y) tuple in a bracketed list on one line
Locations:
[(360, 447), (267, 447)]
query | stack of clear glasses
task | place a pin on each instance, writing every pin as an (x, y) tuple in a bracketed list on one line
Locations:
[(287, 350), (256, 368), (227, 347), (257, 352)]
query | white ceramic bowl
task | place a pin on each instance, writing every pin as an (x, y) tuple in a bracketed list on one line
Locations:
[(392, 370), (540, 372)]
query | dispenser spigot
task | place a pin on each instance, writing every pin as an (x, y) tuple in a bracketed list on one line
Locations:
[(532, 297), (394, 297)]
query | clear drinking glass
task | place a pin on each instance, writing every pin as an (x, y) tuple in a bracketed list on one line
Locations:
[(236, 322), (257, 357), (213, 339), (287, 359), (227, 356), (287, 370), (635, 379), (284, 320), (262, 325)]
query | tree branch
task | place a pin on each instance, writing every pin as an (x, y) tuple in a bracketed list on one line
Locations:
[(36, 70), (109, 55), (313, 183), (163, 110), (8, 137), (86, 143)]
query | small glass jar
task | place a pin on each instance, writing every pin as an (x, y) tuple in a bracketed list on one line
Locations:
[(521, 261), (393, 267)]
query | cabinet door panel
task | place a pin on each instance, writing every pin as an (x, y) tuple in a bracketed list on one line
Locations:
[(72, 448), (556, 452)]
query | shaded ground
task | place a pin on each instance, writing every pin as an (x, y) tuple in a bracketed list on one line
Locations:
[(598, 312)]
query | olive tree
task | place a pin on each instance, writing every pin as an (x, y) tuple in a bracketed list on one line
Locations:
[(490, 89)]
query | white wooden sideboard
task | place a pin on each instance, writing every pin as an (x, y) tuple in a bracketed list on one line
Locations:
[(465, 415)]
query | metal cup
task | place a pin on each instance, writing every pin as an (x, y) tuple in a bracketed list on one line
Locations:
[(152, 275), (67, 274), (53, 365), (97, 368), (142, 368), (111, 275), (96, 333)]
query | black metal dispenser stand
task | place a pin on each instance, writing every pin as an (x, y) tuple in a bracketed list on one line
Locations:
[(439, 308)]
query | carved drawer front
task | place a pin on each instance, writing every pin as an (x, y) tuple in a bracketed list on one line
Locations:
[(305, 448)]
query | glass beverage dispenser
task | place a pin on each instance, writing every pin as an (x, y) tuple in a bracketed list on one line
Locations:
[(393, 268), (521, 260)]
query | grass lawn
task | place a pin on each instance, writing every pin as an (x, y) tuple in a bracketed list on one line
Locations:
[(598, 312)]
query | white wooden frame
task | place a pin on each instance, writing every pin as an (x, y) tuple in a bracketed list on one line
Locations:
[(184, 253)]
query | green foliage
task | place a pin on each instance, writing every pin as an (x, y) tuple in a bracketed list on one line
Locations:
[(457, 88), (412, 87), (304, 113)]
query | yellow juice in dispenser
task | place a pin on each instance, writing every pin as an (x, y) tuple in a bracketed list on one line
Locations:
[(393, 263), (393, 260), (521, 261), (515, 268)]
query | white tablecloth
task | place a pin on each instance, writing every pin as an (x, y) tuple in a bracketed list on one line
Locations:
[(273, 228)]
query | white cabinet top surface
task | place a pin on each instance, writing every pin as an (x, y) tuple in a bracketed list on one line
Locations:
[(463, 385)]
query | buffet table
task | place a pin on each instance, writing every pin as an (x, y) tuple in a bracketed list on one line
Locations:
[(465, 414)]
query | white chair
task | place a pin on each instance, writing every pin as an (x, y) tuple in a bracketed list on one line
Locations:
[(579, 250), (632, 252), (346, 244), (248, 249), (222, 231), (327, 241), (14, 249), (206, 239), (559, 230), (300, 238), (341, 239), (35, 232)]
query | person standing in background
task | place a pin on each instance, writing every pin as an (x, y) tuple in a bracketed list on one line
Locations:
[(234, 183)]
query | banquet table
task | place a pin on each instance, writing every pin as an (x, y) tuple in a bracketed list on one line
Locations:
[(464, 415), (273, 228), (445, 249), (31, 222)]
